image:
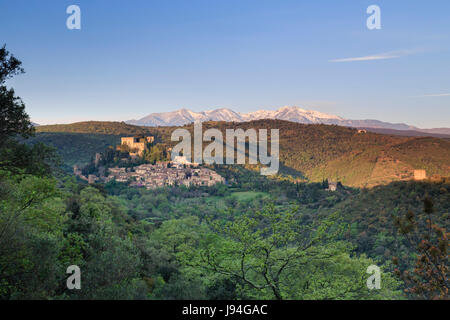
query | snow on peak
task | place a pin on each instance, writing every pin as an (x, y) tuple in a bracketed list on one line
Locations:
[(184, 116)]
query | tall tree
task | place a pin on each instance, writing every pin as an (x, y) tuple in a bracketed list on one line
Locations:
[(429, 279), (273, 256), (13, 118)]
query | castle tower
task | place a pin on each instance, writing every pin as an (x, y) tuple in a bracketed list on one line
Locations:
[(137, 143), (420, 175)]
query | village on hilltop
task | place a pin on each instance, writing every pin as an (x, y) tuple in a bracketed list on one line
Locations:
[(134, 164), (176, 172)]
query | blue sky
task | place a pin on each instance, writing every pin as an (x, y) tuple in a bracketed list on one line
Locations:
[(132, 58)]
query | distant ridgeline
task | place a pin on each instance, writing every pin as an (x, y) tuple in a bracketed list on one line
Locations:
[(315, 152)]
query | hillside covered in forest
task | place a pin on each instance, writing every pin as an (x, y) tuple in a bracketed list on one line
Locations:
[(315, 152)]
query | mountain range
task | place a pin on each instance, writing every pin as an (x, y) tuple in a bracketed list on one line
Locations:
[(288, 113)]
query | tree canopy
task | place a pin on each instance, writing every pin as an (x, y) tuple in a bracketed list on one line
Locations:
[(13, 118)]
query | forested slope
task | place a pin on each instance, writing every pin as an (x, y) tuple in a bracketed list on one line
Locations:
[(316, 152)]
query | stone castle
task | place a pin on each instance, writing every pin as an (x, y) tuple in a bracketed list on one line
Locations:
[(137, 144)]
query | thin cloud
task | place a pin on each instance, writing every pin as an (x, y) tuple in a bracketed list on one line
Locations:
[(380, 56), (434, 95)]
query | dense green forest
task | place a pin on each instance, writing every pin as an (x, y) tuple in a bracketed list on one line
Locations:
[(255, 237), (75, 148)]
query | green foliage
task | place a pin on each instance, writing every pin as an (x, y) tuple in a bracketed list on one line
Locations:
[(30, 234), (157, 152), (13, 119), (75, 148), (38, 159), (372, 213), (429, 280), (269, 255)]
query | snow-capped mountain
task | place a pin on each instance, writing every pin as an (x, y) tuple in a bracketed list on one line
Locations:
[(184, 116), (294, 114)]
